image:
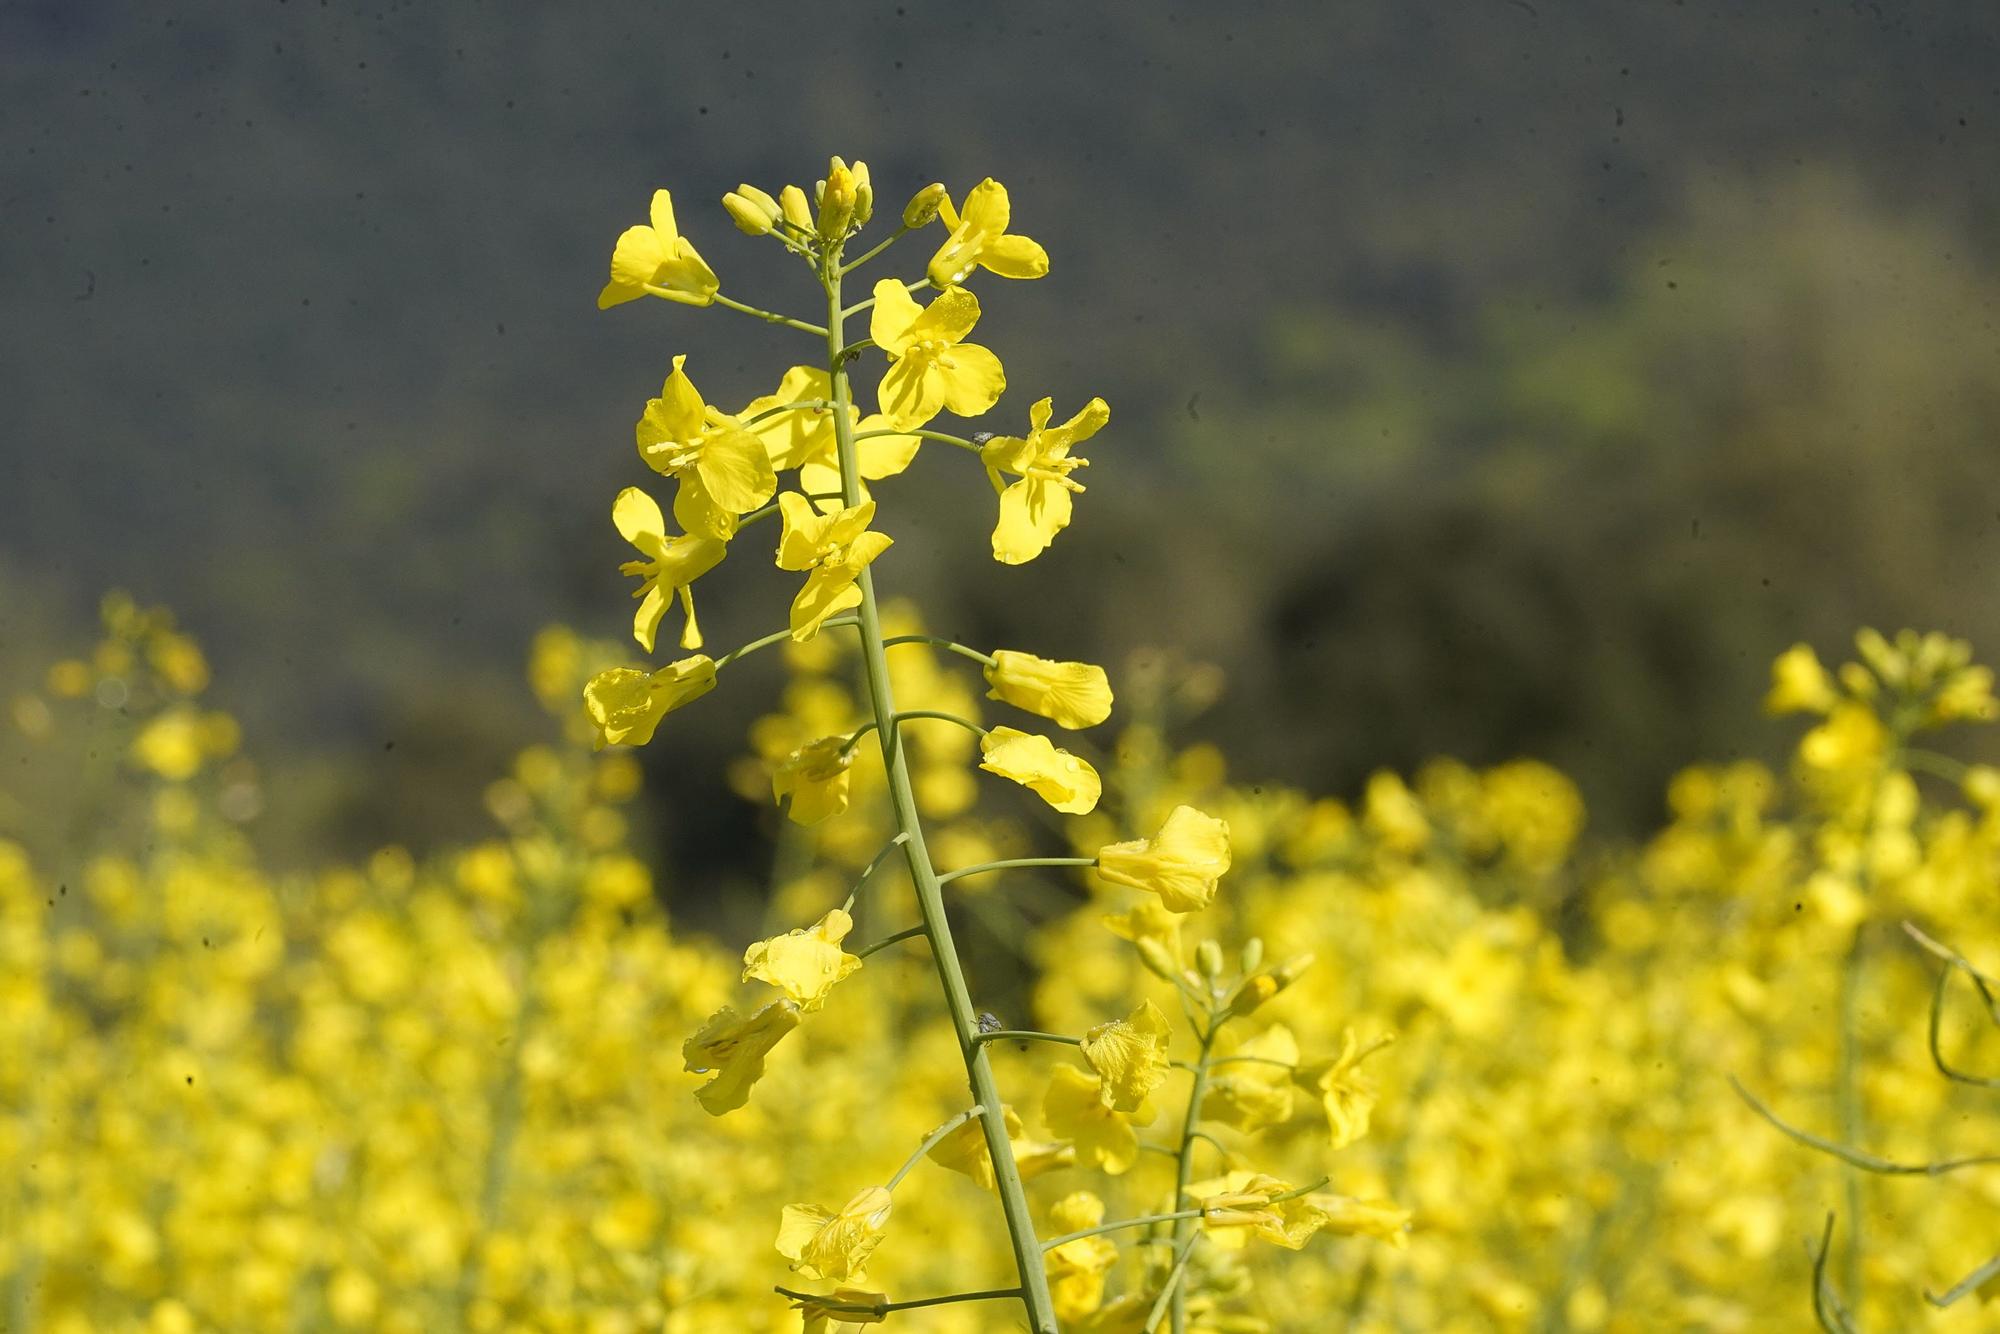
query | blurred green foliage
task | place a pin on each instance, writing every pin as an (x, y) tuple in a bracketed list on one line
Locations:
[(1535, 376)]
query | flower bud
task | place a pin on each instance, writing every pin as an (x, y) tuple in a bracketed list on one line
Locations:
[(864, 195), (1209, 955), (1253, 954), (792, 203), (760, 199), (923, 205), (836, 201), (748, 217), (1157, 959), (1256, 990)]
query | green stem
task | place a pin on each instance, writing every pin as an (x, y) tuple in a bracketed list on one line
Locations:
[(884, 1308), (769, 316), (1143, 1220), (910, 285), (801, 405), (935, 641), (886, 941), (939, 436), (1012, 862), (904, 717), (1026, 1035), (766, 641), (873, 866), (1034, 1291), (931, 1142), (893, 237), (1184, 1168), (1173, 1286)]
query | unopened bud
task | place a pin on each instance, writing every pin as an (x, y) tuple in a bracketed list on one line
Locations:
[(792, 203), (759, 198), (923, 205), (1253, 954), (749, 219), (1157, 960), (836, 202), (1209, 955), (864, 195)]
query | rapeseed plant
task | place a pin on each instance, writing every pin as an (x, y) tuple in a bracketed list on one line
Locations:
[(728, 469)]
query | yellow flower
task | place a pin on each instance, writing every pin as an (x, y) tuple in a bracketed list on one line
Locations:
[(724, 470), (1252, 1093), (175, 744), (657, 261), (931, 367), (815, 777), (1352, 1217), (835, 548), (1156, 933), (1249, 1200), (1069, 694), (836, 1310), (1799, 684), (672, 564), (804, 964), (1346, 1093), (1181, 863), (734, 1048), (626, 705), (1129, 1056), (964, 1150), (1077, 1268), (834, 1246), (1058, 777), (875, 457), (1076, 1110), (791, 437), (1036, 507), (979, 239)]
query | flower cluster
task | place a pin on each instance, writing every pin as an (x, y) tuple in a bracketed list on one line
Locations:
[(729, 470)]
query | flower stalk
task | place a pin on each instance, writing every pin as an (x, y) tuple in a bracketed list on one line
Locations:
[(985, 1092)]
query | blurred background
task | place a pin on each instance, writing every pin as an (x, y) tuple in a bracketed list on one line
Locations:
[(1496, 378)]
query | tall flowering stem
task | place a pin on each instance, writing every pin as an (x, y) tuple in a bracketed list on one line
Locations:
[(930, 896)]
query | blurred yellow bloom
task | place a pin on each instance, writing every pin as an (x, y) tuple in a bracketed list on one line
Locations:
[(723, 470), (1799, 684), (1058, 777), (625, 705), (657, 261), (734, 1048), (1351, 1217), (1249, 1200), (932, 368), (834, 1245), (1129, 1056), (1156, 932), (1077, 1268), (1076, 1110), (671, 566), (835, 548), (1252, 1087), (1851, 740), (172, 745), (804, 964), (1036, 506), (1346, 1093), (1182, 863), (815, 777), (979, 238), (1069, 694)]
